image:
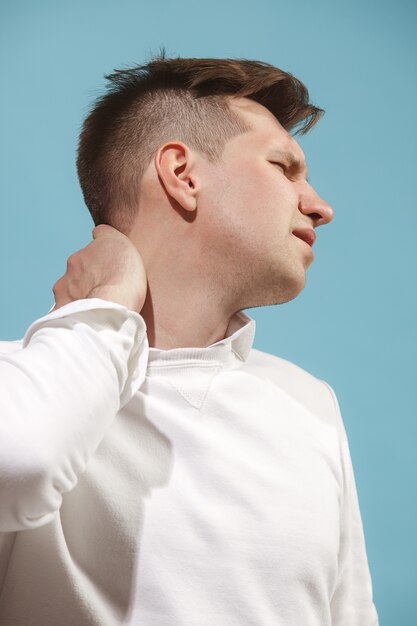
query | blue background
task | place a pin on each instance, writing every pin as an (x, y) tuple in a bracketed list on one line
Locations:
[(354, 323)]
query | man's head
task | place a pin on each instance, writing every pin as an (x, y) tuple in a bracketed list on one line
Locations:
[(187, 157)]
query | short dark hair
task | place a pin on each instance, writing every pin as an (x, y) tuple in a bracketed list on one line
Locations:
[(173, 99)]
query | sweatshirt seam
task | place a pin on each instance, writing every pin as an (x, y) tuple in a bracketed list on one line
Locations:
[(204, 396)]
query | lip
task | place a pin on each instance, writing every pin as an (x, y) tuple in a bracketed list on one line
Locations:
[(306, 234)]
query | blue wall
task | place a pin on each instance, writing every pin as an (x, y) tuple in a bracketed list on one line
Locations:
[(354, 323)]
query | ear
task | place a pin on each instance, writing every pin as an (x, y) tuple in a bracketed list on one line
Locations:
[(175, 164)]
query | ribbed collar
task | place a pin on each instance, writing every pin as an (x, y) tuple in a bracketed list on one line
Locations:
[(238, 340)]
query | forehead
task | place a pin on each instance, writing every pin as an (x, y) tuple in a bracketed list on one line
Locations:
[(266, 130)]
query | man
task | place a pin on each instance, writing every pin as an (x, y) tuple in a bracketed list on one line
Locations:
[(156, 469)]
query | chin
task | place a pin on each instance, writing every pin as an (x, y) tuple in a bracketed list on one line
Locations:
[(276, 287), (292, 296), (287, 297), (280, 293), (293, 283)]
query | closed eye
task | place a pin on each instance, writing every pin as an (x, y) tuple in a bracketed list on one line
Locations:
[(284, 168)]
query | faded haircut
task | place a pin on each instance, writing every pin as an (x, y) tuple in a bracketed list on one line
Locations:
[(183, 99)]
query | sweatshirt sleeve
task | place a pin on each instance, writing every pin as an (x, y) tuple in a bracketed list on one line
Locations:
[(352, 601), (59, 393)]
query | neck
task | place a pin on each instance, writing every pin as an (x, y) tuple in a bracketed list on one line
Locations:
[(188, 303), (183, 313)]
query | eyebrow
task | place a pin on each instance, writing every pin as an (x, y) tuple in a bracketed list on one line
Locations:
[(292, 160)]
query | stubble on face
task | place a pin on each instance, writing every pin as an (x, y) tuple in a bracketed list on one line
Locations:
[(252, 211)]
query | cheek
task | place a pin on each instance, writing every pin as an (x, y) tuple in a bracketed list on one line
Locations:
[(247, 211), (267, 207)]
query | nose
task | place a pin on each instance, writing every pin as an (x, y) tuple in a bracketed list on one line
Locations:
[(313, 205)]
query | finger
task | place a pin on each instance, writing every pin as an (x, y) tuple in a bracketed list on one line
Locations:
[(102, 229)]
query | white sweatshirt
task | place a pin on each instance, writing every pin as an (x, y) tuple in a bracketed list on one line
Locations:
[(186, 487)]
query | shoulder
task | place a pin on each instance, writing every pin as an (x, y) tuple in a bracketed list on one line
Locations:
[(312, 392), (7, 347)]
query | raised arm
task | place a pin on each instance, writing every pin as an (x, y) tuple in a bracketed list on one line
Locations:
[(78, 365), (59, 394)]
